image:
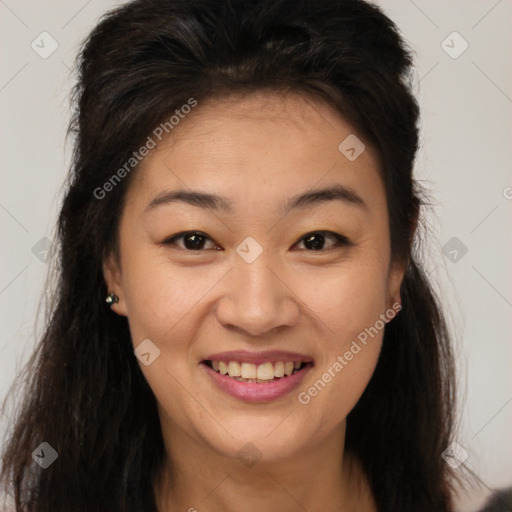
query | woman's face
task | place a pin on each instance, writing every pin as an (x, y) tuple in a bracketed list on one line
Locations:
[(265, 282)]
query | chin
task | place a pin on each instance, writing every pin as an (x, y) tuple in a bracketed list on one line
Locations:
[(269, 440)]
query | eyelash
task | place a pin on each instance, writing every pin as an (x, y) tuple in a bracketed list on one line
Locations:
[(341, 241)]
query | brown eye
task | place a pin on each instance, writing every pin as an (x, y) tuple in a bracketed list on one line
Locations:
[(316, 240), (192, 240)]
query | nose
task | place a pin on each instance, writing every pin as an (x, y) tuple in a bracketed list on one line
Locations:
[(257, 299)]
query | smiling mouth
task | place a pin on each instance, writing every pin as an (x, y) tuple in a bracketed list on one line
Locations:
[(257, 373)]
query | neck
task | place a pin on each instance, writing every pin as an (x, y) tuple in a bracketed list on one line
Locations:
[(321, 477)]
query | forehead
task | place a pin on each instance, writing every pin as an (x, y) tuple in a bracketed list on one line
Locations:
[(258, 149)]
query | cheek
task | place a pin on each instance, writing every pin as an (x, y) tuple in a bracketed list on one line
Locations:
[(165, 305), (337, 387), (347, 299), (350, 304), (160, 295)]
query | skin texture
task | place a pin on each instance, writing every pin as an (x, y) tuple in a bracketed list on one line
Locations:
[(257, 150)]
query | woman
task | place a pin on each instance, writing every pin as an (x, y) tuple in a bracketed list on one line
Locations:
[(240, 321)]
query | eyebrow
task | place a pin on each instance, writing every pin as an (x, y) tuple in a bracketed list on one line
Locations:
[(296, 202)]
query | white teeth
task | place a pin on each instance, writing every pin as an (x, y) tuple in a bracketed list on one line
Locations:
[(234, 369), (265, 371), (248, 372), (279, 369)]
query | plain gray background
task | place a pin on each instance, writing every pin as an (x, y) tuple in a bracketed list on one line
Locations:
[(465, 161)]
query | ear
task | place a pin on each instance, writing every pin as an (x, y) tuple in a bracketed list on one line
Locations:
[(395, 277), (113, 279), (398, 267)]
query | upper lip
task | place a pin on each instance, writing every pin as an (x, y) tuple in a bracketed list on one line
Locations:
[(272, 356)]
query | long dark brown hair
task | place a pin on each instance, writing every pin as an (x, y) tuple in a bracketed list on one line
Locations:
[(84, 392)]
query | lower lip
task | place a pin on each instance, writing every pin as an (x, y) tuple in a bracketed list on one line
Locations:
[(254, 392)]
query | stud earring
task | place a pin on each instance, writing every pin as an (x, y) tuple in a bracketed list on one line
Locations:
[(112, 298)]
